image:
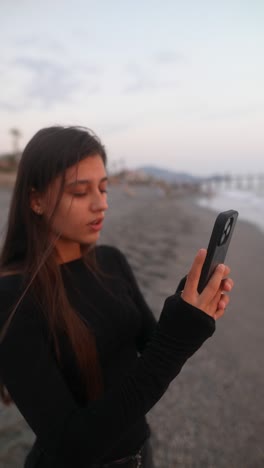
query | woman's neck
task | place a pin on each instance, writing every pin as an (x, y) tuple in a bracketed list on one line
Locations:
[(66, 252)]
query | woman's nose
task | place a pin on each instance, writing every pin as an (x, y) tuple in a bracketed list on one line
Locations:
[(99, 203)]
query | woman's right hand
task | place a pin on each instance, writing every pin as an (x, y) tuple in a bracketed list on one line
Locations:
[(212, 299)]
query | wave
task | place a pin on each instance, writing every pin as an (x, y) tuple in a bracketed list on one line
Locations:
[(249, 204)]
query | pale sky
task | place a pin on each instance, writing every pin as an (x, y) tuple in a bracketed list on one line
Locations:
[(177, 84)]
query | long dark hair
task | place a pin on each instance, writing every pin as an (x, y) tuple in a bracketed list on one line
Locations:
[(26, 247)]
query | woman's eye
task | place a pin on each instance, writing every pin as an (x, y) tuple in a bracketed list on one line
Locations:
[(82, 194), (79, 194)]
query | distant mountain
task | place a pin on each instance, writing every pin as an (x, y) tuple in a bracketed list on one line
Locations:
[(167, 175)]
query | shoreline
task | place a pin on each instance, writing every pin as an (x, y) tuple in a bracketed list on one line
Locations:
[(248, 203), (212, 414)]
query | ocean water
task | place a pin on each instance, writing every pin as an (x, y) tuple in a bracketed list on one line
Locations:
[(249, 204)]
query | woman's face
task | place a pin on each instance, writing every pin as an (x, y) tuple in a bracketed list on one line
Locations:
[(80, 213)]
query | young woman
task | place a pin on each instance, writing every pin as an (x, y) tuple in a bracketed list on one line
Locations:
[(81, 354)]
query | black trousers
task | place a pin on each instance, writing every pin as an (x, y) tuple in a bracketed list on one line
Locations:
[(147, 456), (37, 459), (145, 460)]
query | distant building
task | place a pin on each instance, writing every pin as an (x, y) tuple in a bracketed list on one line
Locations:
[(8, 162)]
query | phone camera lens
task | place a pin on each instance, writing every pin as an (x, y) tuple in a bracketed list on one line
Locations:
[(223, 238)]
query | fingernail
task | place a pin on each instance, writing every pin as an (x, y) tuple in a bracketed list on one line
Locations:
[(221, 268)]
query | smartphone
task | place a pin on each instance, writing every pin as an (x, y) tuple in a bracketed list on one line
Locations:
[(218, 245)]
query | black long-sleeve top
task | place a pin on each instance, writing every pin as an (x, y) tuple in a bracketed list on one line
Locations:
[(138, 357)]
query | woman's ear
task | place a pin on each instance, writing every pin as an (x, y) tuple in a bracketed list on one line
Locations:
[(36, 202)]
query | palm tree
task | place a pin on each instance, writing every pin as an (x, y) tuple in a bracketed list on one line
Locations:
[(16, 134)]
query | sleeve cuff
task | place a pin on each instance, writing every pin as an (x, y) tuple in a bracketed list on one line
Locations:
[(181, 319)]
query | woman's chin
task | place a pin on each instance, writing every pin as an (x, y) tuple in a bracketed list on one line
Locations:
[(91, 238)]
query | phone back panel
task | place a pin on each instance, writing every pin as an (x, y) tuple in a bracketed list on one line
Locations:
[(218, 245)]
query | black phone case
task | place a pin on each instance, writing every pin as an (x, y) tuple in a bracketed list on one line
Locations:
[(218, 245)]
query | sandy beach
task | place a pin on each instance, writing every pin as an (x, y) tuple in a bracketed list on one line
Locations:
[(212, 415)]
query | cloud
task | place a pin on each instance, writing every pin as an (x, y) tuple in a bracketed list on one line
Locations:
[(32, 82), (148, 78), (10, 107), (50, 82), (168, 57), (112, 128), (149, 84), (35, 41), (152, 73), (52, 49), (141, 85)]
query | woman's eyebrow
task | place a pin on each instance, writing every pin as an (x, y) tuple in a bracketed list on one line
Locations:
[(85, 181)]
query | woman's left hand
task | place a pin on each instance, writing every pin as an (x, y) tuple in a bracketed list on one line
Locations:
[(213, 299)]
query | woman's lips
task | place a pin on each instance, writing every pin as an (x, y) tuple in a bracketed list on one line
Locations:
[(97, 224)]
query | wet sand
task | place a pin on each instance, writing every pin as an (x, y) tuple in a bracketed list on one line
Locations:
[(212, 415)]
